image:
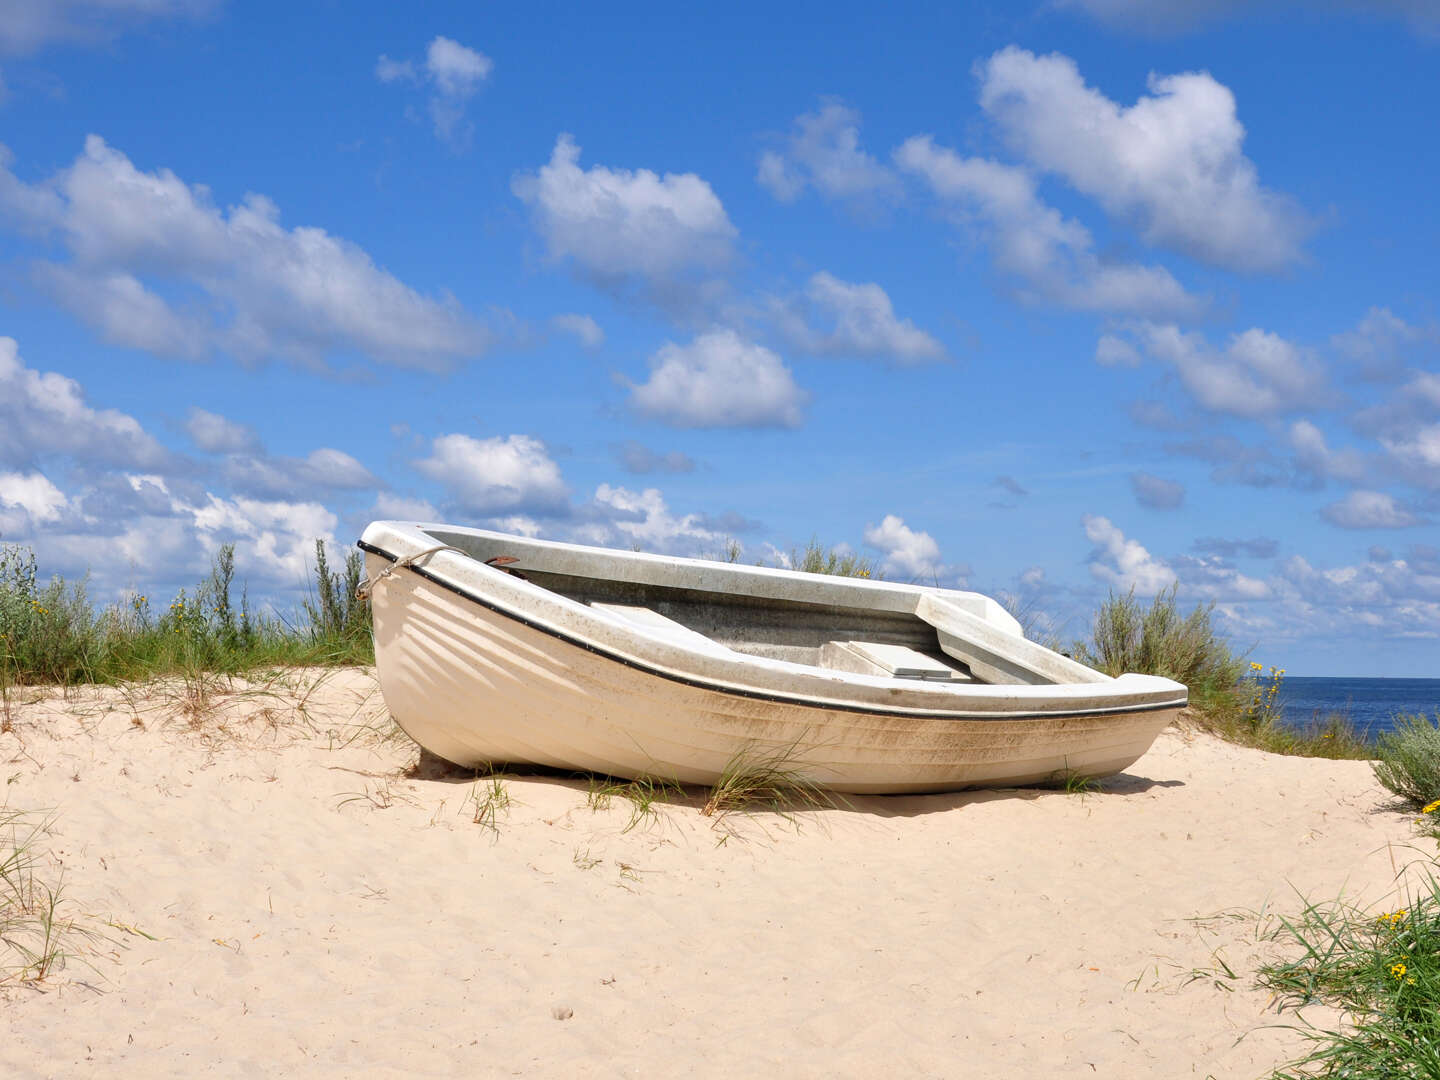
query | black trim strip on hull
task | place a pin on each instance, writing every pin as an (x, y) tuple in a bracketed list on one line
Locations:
[(757, 695)]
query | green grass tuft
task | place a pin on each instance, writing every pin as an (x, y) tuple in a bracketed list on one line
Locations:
[(489, 798), (1383, 972), (757, 777), (1074, 783), (643, 794), (818, 559), (52, 633)]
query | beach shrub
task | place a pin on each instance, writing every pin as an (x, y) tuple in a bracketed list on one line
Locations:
[(1160, 640), (838, 561), (50, 630), (1409, 759), (336, 609), (1229, 696), (52, 633)]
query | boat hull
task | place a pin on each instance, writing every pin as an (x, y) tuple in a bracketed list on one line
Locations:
[(480, 686)]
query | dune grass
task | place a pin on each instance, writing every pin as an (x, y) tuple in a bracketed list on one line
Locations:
[(1382, 971), (488, 799), (1074, 783), (757, 777), (1162, 640), (52, 633), (816, 558), (36, 937), (1230, 696), (642, 793)]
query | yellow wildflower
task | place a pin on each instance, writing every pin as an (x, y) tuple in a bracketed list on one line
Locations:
[(1398, 970), (1431, 808)]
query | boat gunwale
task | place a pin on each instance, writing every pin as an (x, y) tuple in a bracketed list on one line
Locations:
[(1176, 697)]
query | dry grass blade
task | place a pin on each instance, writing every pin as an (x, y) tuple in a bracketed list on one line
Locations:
[(381, 797), (36, 937)]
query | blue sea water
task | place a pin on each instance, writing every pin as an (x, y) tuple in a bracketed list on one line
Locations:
[(1370, 703)]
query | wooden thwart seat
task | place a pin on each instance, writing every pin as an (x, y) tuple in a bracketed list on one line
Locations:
[(661, 626), (881, 658)]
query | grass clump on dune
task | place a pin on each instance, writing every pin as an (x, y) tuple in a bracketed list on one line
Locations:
[(1161, 640), (52, 632), (1230, 696), (758, 777), (35, 937), (836, 561), (1382, 971)]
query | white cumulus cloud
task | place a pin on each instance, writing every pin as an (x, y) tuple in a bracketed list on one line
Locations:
[(322, 470), (1053, 256), (454, 72), (502, 473), (1382, 342), (256, 289), (618, 222), (1369, 510), (1314, 455), (46, 413), (643, 518), (719, 380), (840, 318), (1124, 563), (216, 434), (33, 493), (907, 552), (1174, 16), (1155, 492), (26, 25), (824, 152), (394, 507), (1256, 374), (585, 329), (1417, 455), (1172, 163)]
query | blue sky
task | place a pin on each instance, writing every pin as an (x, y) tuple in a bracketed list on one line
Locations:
[(1042, 299)]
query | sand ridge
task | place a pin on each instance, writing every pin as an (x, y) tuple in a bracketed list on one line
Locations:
[(323, 907)]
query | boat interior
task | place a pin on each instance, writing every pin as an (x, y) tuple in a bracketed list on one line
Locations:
[(862, 637), (855, 639)]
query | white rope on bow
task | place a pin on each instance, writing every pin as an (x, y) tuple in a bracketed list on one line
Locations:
[(366, 587)]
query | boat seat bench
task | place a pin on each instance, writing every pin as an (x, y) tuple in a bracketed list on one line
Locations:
[(662, 626), (883, 658), (859, 657)]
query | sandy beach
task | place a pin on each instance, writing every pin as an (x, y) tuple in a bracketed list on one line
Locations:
[(280, 888)]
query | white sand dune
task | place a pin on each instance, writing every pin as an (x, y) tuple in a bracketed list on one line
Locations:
[(320, 911)]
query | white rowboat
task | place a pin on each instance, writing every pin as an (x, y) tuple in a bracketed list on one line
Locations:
[(493, 648)]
